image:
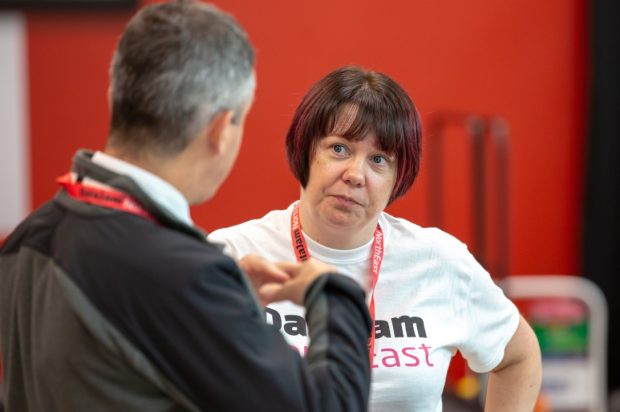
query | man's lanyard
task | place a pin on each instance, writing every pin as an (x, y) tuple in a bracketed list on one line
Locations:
[(104, 197), (302, 253)]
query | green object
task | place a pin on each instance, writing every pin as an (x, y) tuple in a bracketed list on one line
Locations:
[(562, 338)]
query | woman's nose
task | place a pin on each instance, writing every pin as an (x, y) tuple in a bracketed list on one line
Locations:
[(354, 172)]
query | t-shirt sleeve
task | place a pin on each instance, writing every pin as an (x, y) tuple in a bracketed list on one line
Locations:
[(230, 240), (491, 320), (225, 238)]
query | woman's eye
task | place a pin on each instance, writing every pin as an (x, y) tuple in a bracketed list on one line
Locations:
[(379, 159), (338, 148)]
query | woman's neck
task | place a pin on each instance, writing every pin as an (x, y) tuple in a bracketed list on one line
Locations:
[(333, 236)]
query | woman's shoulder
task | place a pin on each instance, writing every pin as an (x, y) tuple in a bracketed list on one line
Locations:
[(273, 222), (260, 235), (402, 229), (436, 241)]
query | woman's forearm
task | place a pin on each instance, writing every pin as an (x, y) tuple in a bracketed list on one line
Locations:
[(515, 384)]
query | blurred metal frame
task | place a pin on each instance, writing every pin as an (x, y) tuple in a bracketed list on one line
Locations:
[(486, 135)]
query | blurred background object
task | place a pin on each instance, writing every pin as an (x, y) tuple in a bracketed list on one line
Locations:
[(68, 4), (544, 75), (569, 316), (601, 223)]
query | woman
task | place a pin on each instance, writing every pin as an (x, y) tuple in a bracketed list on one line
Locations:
[(354, 146)]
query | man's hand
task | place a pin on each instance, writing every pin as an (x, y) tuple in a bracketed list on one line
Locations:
[(301, 276), (261, 272)]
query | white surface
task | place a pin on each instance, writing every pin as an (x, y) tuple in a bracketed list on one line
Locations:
[(14, 139), (567, 383)]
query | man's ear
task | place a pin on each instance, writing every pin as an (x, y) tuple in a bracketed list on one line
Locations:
[(218, 131)]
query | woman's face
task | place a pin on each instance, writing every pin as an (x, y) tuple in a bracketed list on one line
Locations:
[(350, 183)]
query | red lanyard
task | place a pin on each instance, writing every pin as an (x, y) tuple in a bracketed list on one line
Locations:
[(109, 198), (302, 253)]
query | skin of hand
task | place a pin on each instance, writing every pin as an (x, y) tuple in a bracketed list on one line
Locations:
[(301, 276), (515, 383), (261, 272)]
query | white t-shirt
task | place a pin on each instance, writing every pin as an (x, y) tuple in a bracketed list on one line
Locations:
[(432, 298)]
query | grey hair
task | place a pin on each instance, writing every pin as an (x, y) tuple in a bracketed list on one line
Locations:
[(176, 66)]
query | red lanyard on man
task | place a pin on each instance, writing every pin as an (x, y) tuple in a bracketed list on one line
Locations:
[(302, 253), (104, 197)]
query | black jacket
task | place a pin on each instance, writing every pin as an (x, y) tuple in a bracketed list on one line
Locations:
[(101, 310)]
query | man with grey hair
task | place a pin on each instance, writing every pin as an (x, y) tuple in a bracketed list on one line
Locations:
[(112, 300)]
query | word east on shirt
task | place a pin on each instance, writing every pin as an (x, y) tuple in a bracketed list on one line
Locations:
[(432, 298)]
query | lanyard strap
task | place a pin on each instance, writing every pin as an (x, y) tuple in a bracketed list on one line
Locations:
[(104, 197), (302, 253)]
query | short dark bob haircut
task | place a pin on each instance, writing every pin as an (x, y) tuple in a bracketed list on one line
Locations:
[(383, 107)]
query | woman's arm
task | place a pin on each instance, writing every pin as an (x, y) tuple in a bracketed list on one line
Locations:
[(515, 383)]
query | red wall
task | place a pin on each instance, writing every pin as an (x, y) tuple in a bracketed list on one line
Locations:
[(525, 60)]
